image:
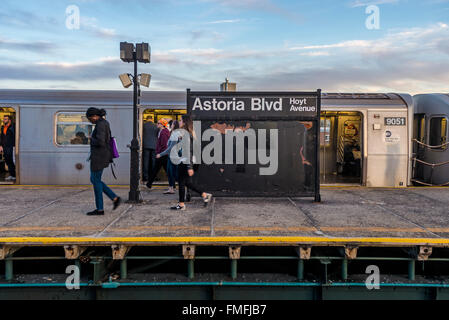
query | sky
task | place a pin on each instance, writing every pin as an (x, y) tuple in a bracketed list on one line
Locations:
[(302, 45)]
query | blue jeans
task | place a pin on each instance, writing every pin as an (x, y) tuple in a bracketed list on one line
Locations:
[(172, 172), (99, 188)]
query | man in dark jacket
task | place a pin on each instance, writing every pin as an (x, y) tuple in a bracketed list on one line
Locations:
[(162, 140), (100, 158), (150, 133), (7, 144)]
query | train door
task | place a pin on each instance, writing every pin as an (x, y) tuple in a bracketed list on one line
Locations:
[(419, 136), (341, 148), (154, 115), (8, 158)]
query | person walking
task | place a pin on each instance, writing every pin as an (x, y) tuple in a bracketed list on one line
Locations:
[(172, 169), (100, 158), (161, 146), (186, 167), (150, 134), (7, 144)]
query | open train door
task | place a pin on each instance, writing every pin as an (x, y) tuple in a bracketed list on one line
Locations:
[(9, 161)]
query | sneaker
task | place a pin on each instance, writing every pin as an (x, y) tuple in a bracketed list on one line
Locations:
[(10, 178), (149, 186), (117, 203), (208, 199), (95, 213), (169, 192), (178, 208)]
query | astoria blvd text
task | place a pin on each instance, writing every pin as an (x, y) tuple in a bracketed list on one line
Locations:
[(268, 106)]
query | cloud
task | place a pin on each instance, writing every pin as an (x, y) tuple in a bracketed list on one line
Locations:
[(409, 60), (90, 25), (26, 19), (266, 6), (36, 46), (224, 21), (365, 3)]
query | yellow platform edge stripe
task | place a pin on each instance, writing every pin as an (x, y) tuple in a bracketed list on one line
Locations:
[(224, 240)]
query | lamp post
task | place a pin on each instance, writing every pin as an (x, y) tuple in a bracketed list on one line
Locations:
[(130, 53)]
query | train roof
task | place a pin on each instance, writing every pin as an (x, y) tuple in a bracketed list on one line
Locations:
[(386, 100), (90, 97), (170, 98), (434, 103)]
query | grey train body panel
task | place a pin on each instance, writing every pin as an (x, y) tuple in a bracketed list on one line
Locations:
[(433, 105), (41, 161)]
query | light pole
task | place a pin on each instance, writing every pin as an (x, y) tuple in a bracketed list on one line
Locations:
[(130, 53)]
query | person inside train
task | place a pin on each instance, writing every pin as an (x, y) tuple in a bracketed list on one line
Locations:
[(186, 167), (7, 144), (100, 158), (172, 169), (161, 146), (80, 138), (150, 136)]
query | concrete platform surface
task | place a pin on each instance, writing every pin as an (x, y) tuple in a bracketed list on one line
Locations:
[(345, 212)]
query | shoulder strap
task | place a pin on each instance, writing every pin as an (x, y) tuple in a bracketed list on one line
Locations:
[(112, 169)]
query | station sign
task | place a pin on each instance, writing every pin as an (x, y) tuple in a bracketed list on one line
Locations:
[(257, 143), (226, 105)]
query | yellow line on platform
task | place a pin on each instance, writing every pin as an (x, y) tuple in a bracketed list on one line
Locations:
[(219, 228), (224, 240), (222, 228)]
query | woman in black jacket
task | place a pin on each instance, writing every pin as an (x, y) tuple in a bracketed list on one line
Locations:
[(100, 158)]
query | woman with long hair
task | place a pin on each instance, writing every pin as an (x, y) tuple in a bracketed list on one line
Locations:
[(172, 169), (186, 167), (100, 158)]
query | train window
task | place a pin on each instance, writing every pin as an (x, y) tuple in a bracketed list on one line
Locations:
[(72, 128), (438, 131)]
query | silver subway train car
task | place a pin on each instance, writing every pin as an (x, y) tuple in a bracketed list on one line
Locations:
[(366, 139), (430, 146)]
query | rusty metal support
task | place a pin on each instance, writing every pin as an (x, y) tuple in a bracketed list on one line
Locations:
[(73, 252), (120, 251), (7, 251), (188, 251), (351, 252), (304, 252), (424, 253)]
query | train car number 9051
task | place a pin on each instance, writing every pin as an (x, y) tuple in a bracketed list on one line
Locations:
[(395, 121)]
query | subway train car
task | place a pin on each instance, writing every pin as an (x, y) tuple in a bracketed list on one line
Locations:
[(430, 156), (366, 139), (51, 130)]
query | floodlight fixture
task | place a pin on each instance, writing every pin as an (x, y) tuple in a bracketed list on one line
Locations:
[(143, 52), (126, 80), (145, 79), (126, 52)]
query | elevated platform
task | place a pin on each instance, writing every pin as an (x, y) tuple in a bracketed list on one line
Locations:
[(33, 215), (147, 245)]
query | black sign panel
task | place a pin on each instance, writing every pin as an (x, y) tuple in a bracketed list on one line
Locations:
[(257, 144), (204, 105)]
